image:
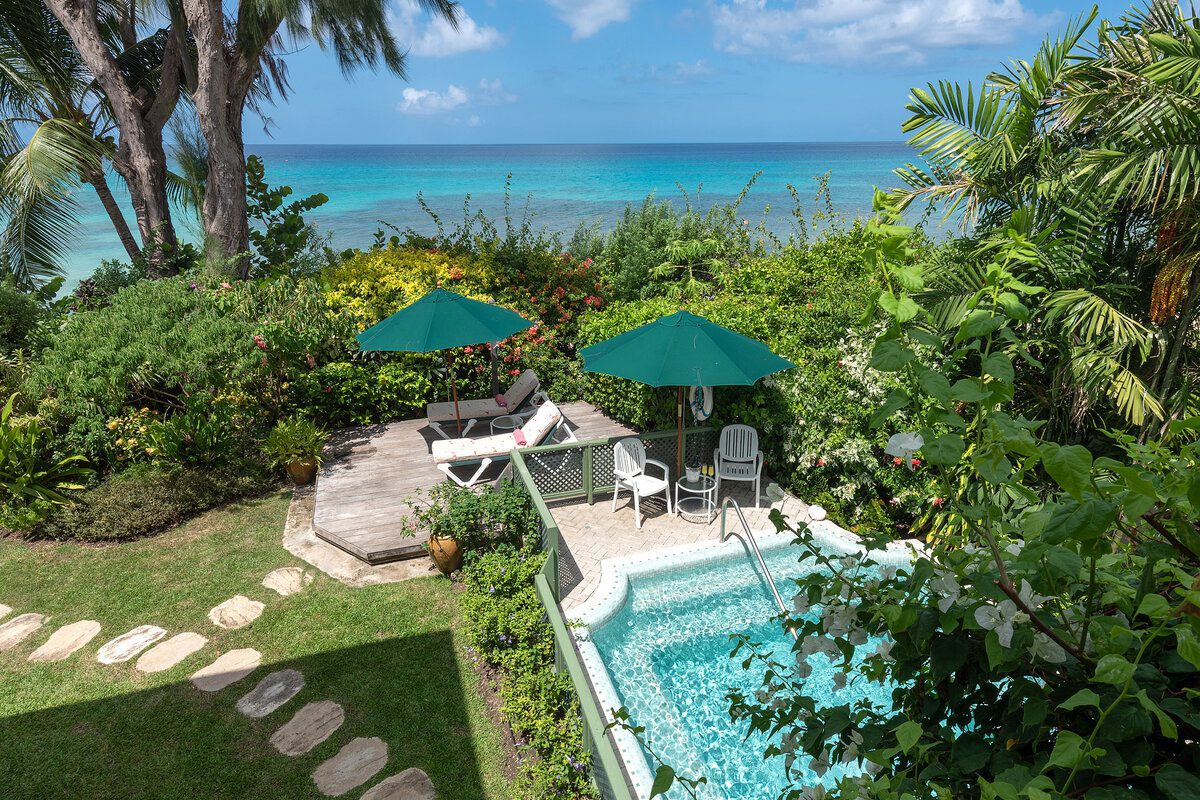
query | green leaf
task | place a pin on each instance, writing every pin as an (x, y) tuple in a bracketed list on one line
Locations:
[(889, 356), (933, 383), (903, 308), (1084, 697), (1177, 783), (945, 450), (1078, 520), (947, 655), (1165, 723), (1189, 647), (992, 465), (1113, 669), (1000, 367), (908, 734), (1069, 466), (1154, 606), (969, 390), (1068, 749), (896, 400), (664, 779), (979, 323)]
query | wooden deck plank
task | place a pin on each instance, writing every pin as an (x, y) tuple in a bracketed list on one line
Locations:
[(370, 474)]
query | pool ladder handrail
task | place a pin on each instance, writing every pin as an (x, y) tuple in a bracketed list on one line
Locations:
[(757, 553)]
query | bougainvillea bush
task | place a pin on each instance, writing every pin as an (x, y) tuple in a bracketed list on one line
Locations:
[(1050, 648)]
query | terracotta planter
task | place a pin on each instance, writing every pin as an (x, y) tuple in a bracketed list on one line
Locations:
[(445, 553), (303, 472)]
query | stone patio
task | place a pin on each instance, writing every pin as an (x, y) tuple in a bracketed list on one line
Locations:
[(591, 534)]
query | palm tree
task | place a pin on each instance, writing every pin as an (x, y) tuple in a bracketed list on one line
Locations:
[(54, 135), (232, 50), (1021, 156)]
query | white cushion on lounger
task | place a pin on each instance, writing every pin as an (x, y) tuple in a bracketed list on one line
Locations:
[(486, 407), (501, 444)]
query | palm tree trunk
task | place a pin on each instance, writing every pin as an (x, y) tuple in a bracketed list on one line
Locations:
[(100, 184)]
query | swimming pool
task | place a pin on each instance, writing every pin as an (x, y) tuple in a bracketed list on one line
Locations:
[(658, 643)]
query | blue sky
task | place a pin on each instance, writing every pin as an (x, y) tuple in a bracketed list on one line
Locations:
[(539, 71)]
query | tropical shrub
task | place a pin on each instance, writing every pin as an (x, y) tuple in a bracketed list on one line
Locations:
[(283, 242), (20, 314), (33, 478), (506, 626), (150, 498), (1046, 647), (362, 392), (294, 440), (495, 516)]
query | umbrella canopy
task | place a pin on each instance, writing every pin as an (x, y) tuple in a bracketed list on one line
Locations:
[(683, 349), (439, 321)]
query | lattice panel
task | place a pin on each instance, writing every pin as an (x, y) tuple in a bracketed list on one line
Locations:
[(556, 471), (698, 448), (602, 466)]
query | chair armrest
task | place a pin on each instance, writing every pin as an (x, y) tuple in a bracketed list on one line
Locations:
[(717, 457), (758, 462), (666, 470)]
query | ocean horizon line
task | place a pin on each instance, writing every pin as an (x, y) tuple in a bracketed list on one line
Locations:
[(836, 142)]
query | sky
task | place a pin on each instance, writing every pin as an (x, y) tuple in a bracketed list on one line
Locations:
[(587, 71)]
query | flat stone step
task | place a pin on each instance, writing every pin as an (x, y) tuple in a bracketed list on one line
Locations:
[(312, 725), (18, 629), (287, 580), (354, 765), (230, 668), (128, 645), (236, 612), (5, 610), (412, 784), (272, 692), (167, 654), (66, 640)]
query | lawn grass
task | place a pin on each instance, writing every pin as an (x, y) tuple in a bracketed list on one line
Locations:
[(390, 655)]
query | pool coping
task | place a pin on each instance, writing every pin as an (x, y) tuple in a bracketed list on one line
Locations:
[(610, 596)]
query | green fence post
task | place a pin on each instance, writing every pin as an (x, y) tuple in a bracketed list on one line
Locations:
[(588, 483)]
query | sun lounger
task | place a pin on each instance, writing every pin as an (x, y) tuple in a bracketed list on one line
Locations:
[(518, 395), (547, 424)]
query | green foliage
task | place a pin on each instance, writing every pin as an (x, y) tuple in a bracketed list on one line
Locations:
[(1043, 646), (478, 520), (284, 243), (20, 315), (109, 278), (33, 479), (344, 393), (150, 498), (294, 440), (506, 626)]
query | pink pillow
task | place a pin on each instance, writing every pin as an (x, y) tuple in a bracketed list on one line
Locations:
[(501, 401), (519, 436)]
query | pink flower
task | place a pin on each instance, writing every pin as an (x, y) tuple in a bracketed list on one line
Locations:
[(312, 362), (514, 372), (820, 462), (841, 362), (469, 349), (226, 285), (937, 501), (260, 342), (897, 461)]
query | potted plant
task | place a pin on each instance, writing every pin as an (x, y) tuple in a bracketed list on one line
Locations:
[(296, 445), (452, 517)]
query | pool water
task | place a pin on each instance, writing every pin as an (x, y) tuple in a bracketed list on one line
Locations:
[(667, 653)]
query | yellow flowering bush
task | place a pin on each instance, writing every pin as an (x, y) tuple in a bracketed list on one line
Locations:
[(371, 284)]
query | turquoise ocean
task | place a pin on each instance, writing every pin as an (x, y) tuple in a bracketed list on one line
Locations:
[(562, 185)]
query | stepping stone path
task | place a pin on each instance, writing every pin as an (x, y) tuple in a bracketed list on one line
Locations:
[(128, 645), (18, 629), (66, 640), (354, 765), (236, 612), (5, 610), (169, 653), (312, 725), (228, 669), (287, 580), (412, 784), (271, 693)]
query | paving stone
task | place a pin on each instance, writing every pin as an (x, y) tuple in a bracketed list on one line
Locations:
[(230, 668), (287, 580), (18, 629), (354, 765), (167, 654), (271, 693), (5, 610), (236, 612), (128, 645), (66, 640), (412, 784), (312, 725)]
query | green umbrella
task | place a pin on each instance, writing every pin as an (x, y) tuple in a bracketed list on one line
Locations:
[(683, 350), (439, 321)]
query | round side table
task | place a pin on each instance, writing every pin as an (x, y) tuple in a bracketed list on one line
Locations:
[(696, 501)]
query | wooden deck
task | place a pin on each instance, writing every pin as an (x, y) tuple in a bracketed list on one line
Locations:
[(370, 474)]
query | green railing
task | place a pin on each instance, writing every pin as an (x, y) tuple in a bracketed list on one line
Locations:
[(583, 470)]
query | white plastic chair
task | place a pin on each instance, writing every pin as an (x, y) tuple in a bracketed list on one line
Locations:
[(737, 458), (629, 472)]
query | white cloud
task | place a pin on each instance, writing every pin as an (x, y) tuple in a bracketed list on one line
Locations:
[(430, 102), (846, 31), (587, 17), (427, 35), (677, 73)]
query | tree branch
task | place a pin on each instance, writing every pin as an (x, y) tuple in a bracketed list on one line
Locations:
[(1013, 595)]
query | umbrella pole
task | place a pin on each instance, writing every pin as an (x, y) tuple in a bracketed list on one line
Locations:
[(454, 393), (679, 438)]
